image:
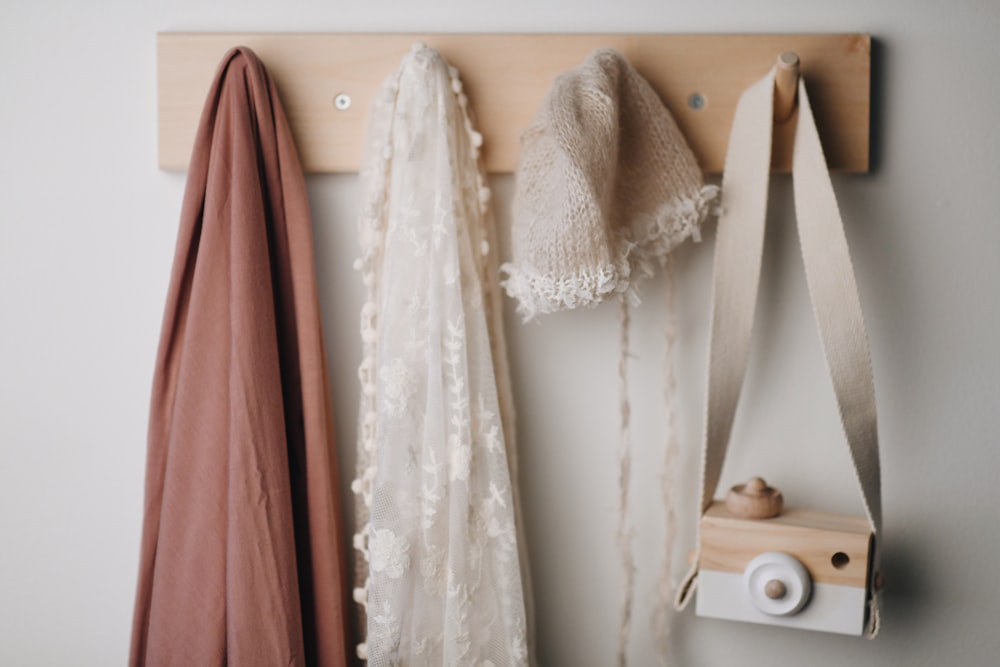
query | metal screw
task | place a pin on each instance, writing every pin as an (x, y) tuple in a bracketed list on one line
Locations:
[(696, 101), (342, 102)]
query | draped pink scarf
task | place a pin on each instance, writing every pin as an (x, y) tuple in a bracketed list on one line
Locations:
[(242, 550)]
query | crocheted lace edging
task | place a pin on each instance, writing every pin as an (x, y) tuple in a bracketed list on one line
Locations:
[(537, 292), (674, 223), (540, 293)]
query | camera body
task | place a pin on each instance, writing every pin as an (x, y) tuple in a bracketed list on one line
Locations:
[(800, 569)]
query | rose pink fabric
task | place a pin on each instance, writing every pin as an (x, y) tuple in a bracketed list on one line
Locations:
[(242, 549)]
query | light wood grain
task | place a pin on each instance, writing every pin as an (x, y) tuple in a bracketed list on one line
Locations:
[(729, 542), (786, 83), (755, 500), (507, 76)]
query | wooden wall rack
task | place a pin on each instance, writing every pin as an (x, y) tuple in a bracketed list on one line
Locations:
[(506, 77)]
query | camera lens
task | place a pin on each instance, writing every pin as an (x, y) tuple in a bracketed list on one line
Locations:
[(777, 583)]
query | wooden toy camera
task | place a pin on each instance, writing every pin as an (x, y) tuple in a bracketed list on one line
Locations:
[(796, 568)]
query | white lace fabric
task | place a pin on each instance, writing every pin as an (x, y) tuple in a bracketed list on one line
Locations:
[(442, 581)]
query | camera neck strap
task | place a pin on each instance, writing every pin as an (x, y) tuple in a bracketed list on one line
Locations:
[(832, 290)]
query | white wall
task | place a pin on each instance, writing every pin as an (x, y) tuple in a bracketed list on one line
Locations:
[(87, 230)]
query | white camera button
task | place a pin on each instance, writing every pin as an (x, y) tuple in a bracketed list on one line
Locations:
[(777, 583)]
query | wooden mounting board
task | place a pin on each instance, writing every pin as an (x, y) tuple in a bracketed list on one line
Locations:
[(507, 76)]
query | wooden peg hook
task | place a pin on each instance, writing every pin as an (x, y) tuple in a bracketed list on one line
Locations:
[(786, 83)]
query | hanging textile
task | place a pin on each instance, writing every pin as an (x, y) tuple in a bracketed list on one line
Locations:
[(242, 559), (606, 188), (442, 567)]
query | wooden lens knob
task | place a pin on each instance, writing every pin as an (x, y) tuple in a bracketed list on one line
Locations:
[(754, 500), (775, 589)]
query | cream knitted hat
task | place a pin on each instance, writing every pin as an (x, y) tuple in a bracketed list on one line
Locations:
[(606, 187)]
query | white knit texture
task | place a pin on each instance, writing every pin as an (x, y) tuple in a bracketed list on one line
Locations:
[(606, 186)]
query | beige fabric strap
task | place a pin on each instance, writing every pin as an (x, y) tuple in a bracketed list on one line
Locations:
[(832, 289)]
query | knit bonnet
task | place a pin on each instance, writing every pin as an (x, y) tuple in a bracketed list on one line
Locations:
[(606, 186)]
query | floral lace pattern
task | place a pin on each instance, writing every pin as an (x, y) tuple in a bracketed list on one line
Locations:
[(439, 535)]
